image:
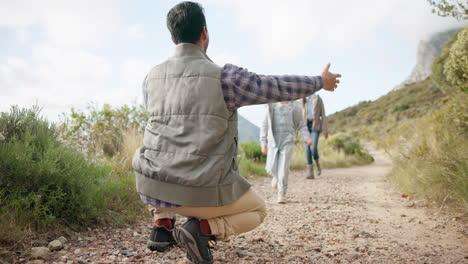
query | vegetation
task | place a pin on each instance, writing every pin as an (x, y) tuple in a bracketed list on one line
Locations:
[(253, 151), (432, 162), (449, 70), (452, 8), (46, 184), (339, 151), (251, 160), (100, 132), (374, 120)]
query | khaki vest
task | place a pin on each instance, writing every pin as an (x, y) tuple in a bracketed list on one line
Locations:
[(189, 152)]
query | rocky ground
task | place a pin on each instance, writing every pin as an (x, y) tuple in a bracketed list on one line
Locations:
[(344, 216)]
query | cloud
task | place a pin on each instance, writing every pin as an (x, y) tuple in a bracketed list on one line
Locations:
[(64, 22), (57, 75), (62, 68), (286, 30)]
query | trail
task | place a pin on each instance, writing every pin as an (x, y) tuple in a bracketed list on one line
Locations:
[(347, 215)]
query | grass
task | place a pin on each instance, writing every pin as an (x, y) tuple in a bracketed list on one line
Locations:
[(372, 121), (432, 162), (331, 155), (251, 160)]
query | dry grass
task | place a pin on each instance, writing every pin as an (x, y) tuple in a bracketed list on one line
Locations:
[(432, 161)]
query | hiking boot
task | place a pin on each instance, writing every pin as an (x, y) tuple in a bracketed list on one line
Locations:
[(195, 242), (310, 171), (281, 198), (160, 239), (274, 182), (319, 170)]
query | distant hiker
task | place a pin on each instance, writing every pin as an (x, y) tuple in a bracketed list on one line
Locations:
[(188, 162), (316, 121), (277, 133)]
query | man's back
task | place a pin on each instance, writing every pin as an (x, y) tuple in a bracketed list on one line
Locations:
[(190, 141)]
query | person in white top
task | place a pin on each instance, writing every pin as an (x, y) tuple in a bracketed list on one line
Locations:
[(277, 132)]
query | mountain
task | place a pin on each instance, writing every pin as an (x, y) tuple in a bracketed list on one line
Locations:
[(427, 51), (247, 130)]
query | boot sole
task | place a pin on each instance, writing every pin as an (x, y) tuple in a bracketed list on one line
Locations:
[(186, 240), (159, 246)]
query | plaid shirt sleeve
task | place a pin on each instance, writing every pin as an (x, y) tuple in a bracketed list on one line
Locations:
[(241, 87)]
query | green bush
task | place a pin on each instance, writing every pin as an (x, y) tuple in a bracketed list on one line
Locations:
[(449, 70), (110, 135), (456, 65), (346, 144), (251, 160), (100, 131), (42, 179), (401, 107), (253, 151)]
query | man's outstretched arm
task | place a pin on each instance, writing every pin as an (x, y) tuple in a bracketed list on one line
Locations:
[(241, 87)]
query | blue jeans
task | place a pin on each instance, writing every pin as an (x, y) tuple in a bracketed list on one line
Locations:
[(312, 150)]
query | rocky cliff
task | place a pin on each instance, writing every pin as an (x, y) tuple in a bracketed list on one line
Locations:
[(427, 51)]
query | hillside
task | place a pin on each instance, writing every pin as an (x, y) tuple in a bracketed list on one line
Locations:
[(247, 130), (373, 120)]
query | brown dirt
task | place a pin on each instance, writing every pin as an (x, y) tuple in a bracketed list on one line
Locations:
[(347, 215)]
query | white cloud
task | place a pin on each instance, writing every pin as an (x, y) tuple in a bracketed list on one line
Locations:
[(286, 30), (56, 75), (63, 70), (65, 22)]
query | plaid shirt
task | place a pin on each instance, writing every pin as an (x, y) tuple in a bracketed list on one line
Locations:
[(241, 88)]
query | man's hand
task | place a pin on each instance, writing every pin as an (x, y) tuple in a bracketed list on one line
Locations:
[(264, 149), (330, 80), (309, 142), (325, 135)]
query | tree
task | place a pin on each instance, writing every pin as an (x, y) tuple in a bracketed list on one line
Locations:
[(453, 8)]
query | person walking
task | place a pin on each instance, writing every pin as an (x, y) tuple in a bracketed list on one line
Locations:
[(187, 164), (317, 122), (282, 120)]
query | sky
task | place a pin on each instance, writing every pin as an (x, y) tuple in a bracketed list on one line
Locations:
[(61, 54)]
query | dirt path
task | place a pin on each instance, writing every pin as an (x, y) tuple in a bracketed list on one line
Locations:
[(344, 216)]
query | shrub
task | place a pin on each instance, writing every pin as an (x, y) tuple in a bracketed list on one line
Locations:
[(40, 178), (456, 65), (449, 70), (110, 135), (100, 131), (333, 154), (253, 151), (401, 107)]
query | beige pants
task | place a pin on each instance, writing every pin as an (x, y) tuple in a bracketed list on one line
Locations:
[(238, 217)]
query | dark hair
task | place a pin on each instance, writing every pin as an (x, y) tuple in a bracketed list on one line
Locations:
[(185, 21)]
